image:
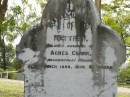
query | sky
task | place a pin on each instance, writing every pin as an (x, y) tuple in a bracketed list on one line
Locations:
[(106, 1)]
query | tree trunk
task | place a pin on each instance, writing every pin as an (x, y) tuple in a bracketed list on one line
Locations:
[(4, 54), (98, 5), (3, 9)]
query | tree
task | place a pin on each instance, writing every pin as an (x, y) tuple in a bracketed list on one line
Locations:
[(3, 9), (117, 15), (13, 22), (7, 35), (98, 5)]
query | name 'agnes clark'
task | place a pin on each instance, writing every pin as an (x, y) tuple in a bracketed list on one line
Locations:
[(52, 52)]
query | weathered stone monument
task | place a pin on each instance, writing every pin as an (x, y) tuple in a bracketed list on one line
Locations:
[(70, 53)]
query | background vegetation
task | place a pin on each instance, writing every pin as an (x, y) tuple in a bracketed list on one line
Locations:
[(15, 19)]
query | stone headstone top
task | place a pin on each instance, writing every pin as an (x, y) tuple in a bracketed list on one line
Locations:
[(70, 53)]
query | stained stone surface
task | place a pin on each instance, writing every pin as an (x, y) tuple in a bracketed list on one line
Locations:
[(70, 53)]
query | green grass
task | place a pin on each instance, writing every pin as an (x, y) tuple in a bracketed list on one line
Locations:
[(12, 88), (124, 96)]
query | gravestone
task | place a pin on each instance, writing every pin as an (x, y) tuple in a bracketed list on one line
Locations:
[(70, 53)]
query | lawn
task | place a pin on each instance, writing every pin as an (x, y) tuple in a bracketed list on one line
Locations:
[(12, 88), (124, 96)]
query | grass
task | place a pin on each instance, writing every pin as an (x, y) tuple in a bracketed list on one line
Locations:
[(124, 96), (12, 88)]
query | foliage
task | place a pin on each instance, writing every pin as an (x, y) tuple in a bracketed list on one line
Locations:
[(12, 76), (7, 36), (42, 3), (117, 15), (3, 9), (16, 64), (1, 70), (124, 75)]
